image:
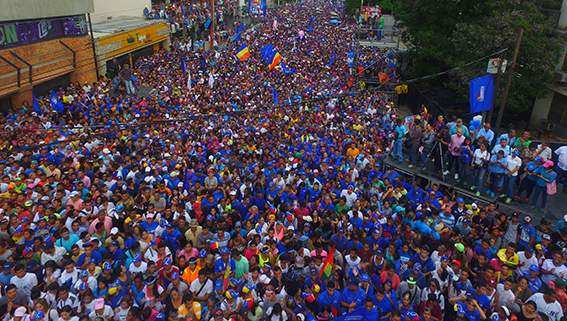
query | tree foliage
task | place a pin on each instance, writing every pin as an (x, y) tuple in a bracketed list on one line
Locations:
[(444, 34)]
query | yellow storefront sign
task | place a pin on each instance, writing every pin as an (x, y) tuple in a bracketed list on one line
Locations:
[(134, 39)]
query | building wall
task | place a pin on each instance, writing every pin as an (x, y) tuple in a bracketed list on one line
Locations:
[(49, 60), (103, 9), (34, 9), (120, 44)]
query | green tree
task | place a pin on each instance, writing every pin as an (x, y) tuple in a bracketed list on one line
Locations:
[(449, 34)]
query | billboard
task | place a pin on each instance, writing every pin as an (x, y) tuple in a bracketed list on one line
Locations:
[(371, 11)]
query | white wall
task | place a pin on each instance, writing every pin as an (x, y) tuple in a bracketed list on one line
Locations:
[(113, 8), (33, 9)]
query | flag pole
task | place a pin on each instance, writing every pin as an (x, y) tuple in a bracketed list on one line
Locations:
[(509, 81)]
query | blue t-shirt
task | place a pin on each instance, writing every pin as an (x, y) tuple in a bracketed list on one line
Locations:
[(483, 302), (526, 233)]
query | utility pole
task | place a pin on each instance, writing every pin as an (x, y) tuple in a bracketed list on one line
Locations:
[(496, 85), (509, 81), (212, 25)]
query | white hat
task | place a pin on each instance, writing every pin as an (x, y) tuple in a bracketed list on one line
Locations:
[(106, 151), (167, 155), (174, 173), (114, 231), (148, 169)]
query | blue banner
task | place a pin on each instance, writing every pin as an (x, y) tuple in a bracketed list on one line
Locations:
[(358, 314), (482, 92)]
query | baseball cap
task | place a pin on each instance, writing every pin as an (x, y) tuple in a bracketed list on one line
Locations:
[(560, 282), (365, 278), (540, 247), (527, 219), (106, 266), (8, 266), (167, 261), (99, 303), (529, 249), (313, 270), (47, 245), (341, 230), (114, 231), (115, 243), (546, 237), (411, 280), (20, 312), (534, 268), (137, 258), (175, 275), (460, 200), (456, 262)]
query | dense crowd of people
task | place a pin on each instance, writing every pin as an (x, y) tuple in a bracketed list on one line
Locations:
[(236, 192)]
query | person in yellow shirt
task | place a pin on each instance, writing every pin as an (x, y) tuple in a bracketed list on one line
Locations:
[(190, 309), (353, 151)]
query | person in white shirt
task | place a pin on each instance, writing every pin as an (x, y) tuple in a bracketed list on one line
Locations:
[(547, 303), (69, 274), (51, 252), (101, 310), (86, 279), (553, 268), (527, 259), (349, 195), (514, 165), (505, 294), (543, 150), (137, 265), (24, 281), (561, 168), (202, 288)]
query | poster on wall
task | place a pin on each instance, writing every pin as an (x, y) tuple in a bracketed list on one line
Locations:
[(19, 33)]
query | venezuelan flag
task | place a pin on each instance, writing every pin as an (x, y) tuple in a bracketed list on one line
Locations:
[(276, 59), (243, 53), (327, 267)]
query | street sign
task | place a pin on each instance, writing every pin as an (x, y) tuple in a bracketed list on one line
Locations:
[(492, 67)]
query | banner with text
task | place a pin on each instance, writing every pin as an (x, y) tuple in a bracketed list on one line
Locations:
[(18, 33)]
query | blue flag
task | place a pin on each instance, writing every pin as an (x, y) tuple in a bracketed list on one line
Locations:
[(267, 52), (482, 91), (239, 32), (208, 23), (262, 7), (275, 94), (56, 103), (310, 28), (350, 59), (332, 59), (36, 106), (288, 71), (183, 67)]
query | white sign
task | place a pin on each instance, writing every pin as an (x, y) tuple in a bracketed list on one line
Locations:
[(492, 67)]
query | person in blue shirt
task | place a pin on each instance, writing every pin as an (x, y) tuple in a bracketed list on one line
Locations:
[(545, 176), (532, 276), (526, 234), (382, 304), (330, 296), (486, 132), (369, 312), (87, 255), (171, 236), (150, 224), (400, 133), (341, 241), (498, 166), (352, 297), (224, 262), (479, 295)]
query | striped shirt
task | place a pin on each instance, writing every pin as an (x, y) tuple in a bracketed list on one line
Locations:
[(449, 220)]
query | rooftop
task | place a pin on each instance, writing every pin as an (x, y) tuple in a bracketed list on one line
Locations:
[(121, 24)]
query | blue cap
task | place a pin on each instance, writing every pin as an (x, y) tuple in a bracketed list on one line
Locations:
[(106, 266), (460, 200), (534, 268), (137, 258), (84, 273), (203, 254), (218, 284), (160, 316), (444, 258), (365, 278), (224, 250), (167, 261), (417, 267), (175, 275)]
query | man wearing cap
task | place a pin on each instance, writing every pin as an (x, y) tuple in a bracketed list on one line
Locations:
[(527, 259), (101, 310), (114, 236), (224, 263), (51, 252), (514, 165), (410, 286), (498, 165), (352, 297), (529, 182), (526, 235), (341, 241)]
